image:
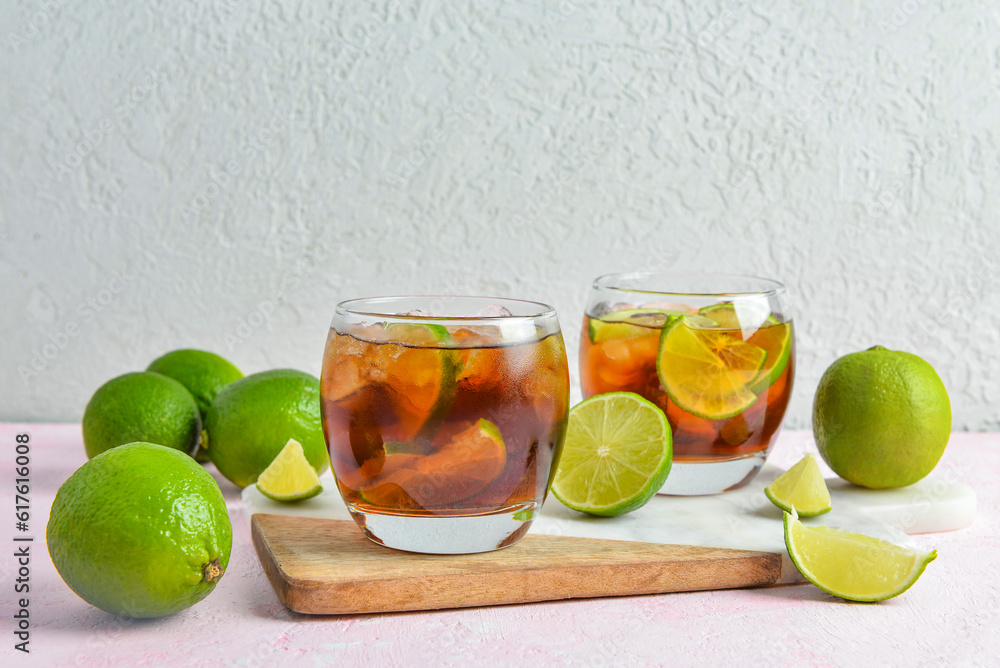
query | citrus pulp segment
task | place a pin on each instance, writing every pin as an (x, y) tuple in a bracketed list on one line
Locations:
[(616, 456)]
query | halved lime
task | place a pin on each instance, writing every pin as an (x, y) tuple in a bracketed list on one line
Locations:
[(801, 488), (708, 372), (851, 565), (773, 336), (616, 455), (290, 477)]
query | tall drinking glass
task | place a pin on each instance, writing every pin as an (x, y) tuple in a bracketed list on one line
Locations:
[(716, 352), (444, 417)]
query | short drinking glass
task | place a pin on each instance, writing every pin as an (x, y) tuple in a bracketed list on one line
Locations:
[(444, 417), (715, 352)]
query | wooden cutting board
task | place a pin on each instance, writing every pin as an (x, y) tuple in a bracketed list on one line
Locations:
[(323, 567)]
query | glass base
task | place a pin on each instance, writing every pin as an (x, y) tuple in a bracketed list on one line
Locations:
[(698, 478), (447, 535)]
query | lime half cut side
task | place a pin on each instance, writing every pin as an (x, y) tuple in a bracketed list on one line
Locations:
[(616, 456), (290, 477), (851, 565), (801, 488)]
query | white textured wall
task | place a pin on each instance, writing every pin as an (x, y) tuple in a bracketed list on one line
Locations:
[(167, 172)]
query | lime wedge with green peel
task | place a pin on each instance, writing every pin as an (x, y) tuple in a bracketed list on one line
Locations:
[(745, 315), (633, 323), (636, 323), (708, 372), (410, 362), (616, 455), (851, 565), (290, 477), (801, 489), (464, 466), (418, 334)]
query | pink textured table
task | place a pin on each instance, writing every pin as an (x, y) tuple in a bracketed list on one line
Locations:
[(950, 616)]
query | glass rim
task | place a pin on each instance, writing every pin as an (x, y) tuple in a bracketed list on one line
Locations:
[(350, 307), (769, 285)]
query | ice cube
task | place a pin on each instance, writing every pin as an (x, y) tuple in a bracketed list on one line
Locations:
[(477, 336), (493, 311)]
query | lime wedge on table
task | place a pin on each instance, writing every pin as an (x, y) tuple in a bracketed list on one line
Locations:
[(290, 477), (801, 488), (773, 336), (850, 565), (708, 372), (616, 455)]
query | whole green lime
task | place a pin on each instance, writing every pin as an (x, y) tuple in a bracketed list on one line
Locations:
[(141, 406), (881, 418), (203, 374), (140, 531), (252, 419)]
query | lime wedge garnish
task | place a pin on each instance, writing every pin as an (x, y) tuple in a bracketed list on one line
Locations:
[(616, 455), (290, 476), (773, 336), (632, 323), (801, 488), (466, 465), (850, 565), (708, 372), (415, 370)]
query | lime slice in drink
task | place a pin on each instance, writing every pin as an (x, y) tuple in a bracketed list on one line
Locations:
[(773, 336), (616, 456), (632, 323), (467, 464), (850, 565), (290, 477), (801, 488), (410, 363), (708, 372)]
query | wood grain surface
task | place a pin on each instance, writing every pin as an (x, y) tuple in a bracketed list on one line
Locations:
[(322, 566)]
